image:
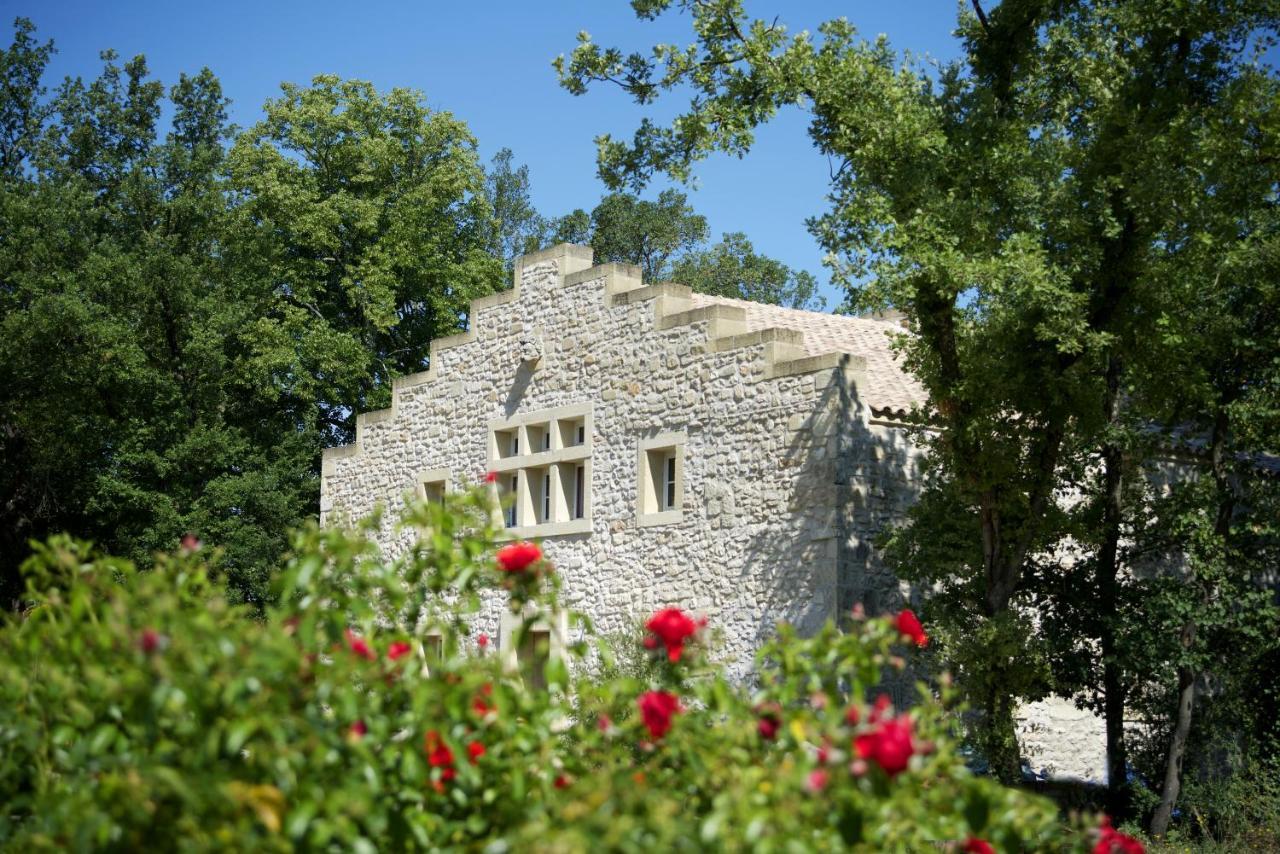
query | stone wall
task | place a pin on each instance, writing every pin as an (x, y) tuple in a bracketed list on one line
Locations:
[(757, 540), (788, 480)]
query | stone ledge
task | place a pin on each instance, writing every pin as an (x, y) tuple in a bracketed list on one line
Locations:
[(712, 313), (814, 364), (648, 292), (611, 270), (760, 336)]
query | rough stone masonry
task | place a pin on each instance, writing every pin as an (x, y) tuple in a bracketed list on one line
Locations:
[(734, 459)]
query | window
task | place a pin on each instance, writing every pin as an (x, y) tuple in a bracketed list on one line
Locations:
[(432, 490), (573, 432), (539, 438), (528, 642), (552, 449), (533, 655), (544, 496), (660, 487), (514, 495), (506, 444), (433, 646), (579, 490)]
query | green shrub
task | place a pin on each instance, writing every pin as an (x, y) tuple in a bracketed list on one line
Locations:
[(139, 709)]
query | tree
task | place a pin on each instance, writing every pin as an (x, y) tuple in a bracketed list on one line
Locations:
[(667, 240), (1019, 205), (518, 227), (366, 218), (181, 331), (651, 235), (731, 268)]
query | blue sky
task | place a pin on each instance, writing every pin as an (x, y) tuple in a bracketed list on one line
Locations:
[(489, 63)]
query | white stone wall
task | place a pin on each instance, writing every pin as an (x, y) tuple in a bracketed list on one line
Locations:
[(756, 542)]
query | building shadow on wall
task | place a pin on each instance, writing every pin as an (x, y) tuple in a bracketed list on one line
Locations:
[(851, 480)]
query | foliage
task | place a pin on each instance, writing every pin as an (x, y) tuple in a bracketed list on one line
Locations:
[(148, 711), (365, 217), (518, 227), (732, 268), (1057, 214), (668, 241), (182, 329)]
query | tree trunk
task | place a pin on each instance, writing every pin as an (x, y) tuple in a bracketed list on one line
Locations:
[(1108, 566), (1177, 746), (1186, 674)]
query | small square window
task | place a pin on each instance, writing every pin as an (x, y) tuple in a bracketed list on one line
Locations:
[(573, 432), (506, 443), (432, 491), (661, 480), (539, 436)]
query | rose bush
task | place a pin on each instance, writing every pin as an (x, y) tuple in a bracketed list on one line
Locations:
[(139, 709)]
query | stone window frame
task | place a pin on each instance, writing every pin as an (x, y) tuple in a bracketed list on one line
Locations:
[(529, 465), (555, 625), (430, 480), (651, 506)]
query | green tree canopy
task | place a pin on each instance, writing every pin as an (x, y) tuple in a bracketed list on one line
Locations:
[(184, 326), (1029, 208)]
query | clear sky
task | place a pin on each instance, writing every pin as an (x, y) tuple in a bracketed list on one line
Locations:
[(489, 63)]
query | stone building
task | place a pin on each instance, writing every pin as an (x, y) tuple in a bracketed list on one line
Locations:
[(668, 448)]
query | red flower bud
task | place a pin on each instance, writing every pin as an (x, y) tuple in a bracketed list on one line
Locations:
[(149, 640), (491, 477), (482, 641), (358, 730), (974, 845), (817, 780), (474, 751), (398, 650), (561, 782)]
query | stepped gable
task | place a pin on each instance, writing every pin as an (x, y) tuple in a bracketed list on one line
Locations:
[(889, 390)]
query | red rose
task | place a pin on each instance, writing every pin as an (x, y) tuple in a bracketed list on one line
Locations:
[(398, 650), (482, 641), (518, 557), (439, 755), (359, 646), (889, 745), (561, 782), (491, 477), (1112, 841), (768, 727), (852, 716), (974, 845), (358, 730), (910, 628), (657, 708), (149, 641), (817, 780), (883, 704), (672, 627), (474, 751)]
